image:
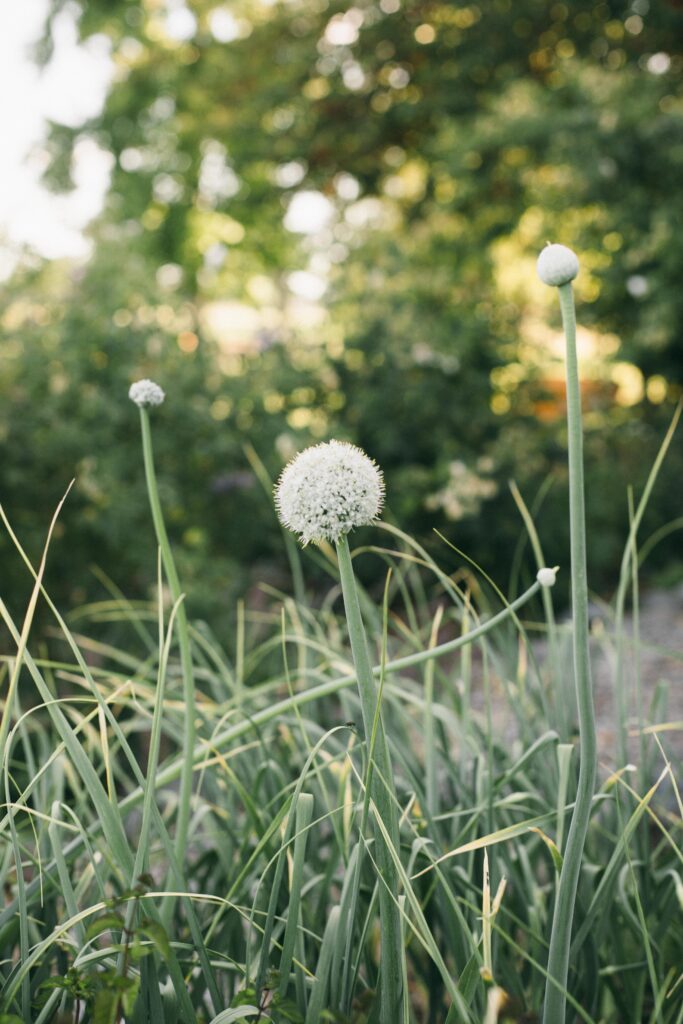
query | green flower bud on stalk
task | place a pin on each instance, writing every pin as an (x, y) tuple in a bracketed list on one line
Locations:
[(146, 394), (547, 577), (558, 266)]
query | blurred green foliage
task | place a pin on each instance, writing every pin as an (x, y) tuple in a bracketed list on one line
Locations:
[(442, 145)]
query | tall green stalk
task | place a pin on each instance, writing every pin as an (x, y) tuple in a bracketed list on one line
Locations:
[(558, 959), (382, 792), (183, 819)]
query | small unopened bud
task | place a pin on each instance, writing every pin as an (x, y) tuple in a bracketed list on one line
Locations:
[(546, 577), (557, 265), (145, 393)]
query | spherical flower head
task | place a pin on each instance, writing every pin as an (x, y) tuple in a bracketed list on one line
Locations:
[(327, 490), (557, 265), (145, 393), (546, 577)]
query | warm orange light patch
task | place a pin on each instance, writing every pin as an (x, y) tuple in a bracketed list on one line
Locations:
[(187, 341)]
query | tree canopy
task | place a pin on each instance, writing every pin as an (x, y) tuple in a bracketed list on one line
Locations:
[(323, 220)]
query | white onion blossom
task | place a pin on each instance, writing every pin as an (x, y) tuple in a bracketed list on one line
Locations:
[(327, 490), (145, 393), (557, 265)]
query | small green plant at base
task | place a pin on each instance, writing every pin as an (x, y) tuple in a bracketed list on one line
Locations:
[(109, 994)]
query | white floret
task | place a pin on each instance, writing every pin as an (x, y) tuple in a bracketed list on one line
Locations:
[(145, 393), (557, 265), (328, 490)]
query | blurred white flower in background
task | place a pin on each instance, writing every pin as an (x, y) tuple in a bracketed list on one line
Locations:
[(145, 393), (465, 490)]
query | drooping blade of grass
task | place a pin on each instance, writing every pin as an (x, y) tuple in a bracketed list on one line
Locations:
[(499, 836), (26, 627)]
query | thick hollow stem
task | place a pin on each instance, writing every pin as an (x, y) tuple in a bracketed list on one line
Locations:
[(558, 959), (382, 792), (186, 773)]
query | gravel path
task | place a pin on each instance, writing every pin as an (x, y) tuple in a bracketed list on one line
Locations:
[(661, 666), (658, 659)]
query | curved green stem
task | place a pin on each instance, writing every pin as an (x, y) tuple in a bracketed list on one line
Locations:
[(186, 772), (558, 958), (382, 792)]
